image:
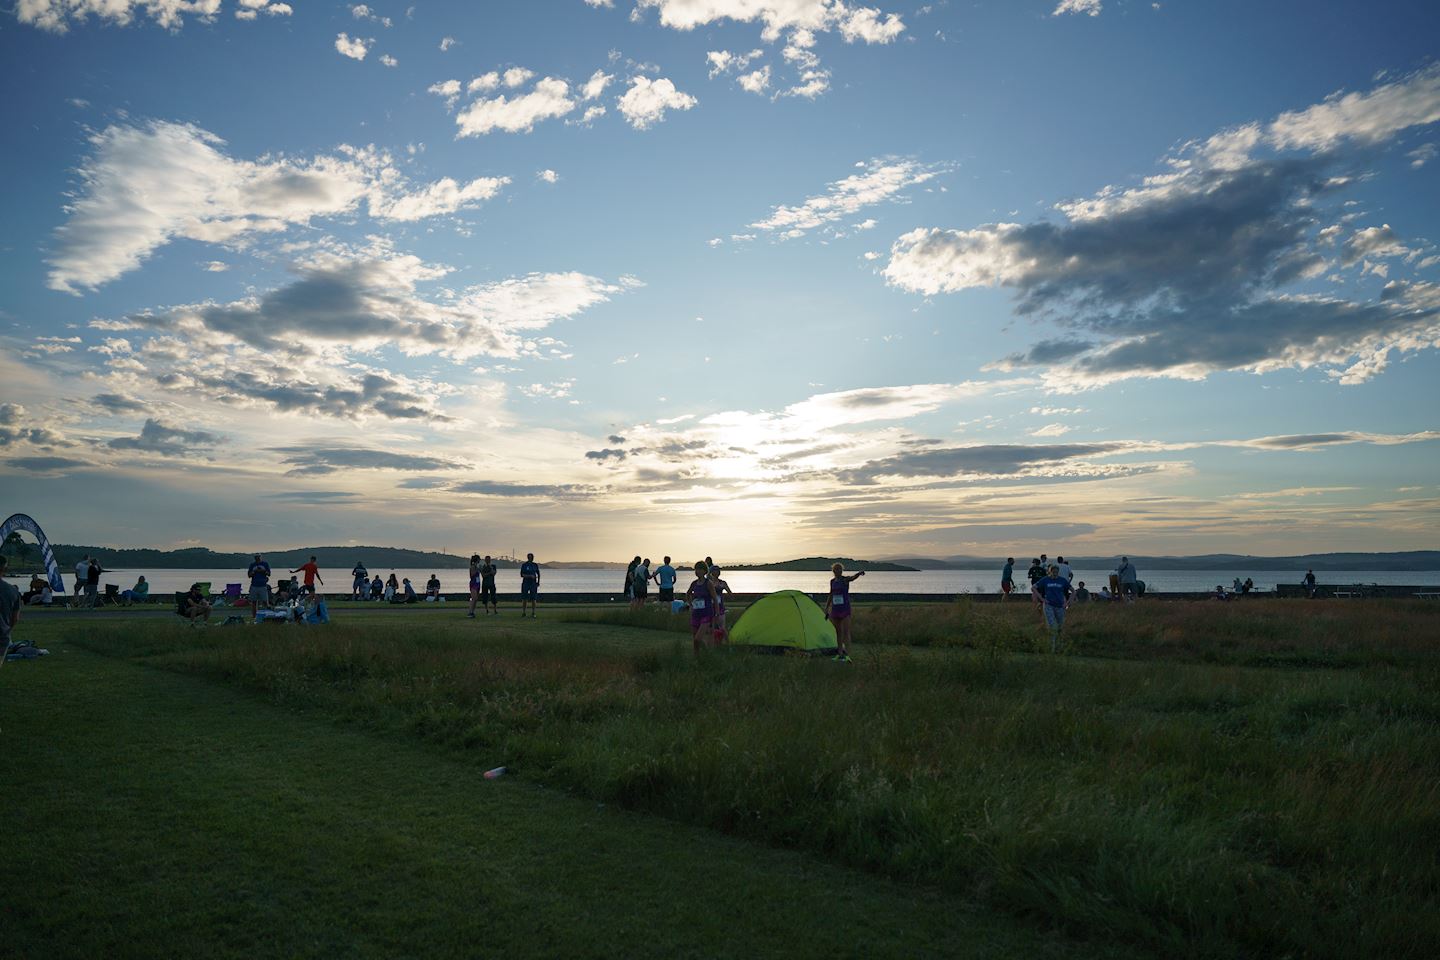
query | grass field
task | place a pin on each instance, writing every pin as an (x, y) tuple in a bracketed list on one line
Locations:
[(1251, 779)]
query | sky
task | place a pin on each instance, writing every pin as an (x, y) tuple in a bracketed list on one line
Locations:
[(748, 278)]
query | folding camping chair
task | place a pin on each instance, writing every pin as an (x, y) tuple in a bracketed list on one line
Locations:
[(112, 595), (229, 596)]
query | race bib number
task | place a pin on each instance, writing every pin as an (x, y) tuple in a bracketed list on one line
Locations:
[(699, 604), (839, 600)]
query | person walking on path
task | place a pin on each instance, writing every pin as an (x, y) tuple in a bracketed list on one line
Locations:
[(487, 587), (312, 573), (1128, 580), (665, 577), (474, 585), (837, 609), (529, 586), (1055, 590), (1007, 578), (259, 574), (9, 610), (701, 598)]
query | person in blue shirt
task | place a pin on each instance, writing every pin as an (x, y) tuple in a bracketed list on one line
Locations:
[(361, 586), (259, 574), (1054, 590), (529, 585), (1007, 578), (665, 577)]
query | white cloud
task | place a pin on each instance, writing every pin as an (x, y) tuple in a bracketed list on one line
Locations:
[(870, 25), (145, 186), (388, 60), (517, 76), (596, 85), (355, 49), (1422, 155), (1086, 7), (547, 176), (757, 81), (56, 15), (1213, 242), (645, 103), (1050, 430), (549, 98), (723, 61), (449, 89), (446, 43), (482, 84), (882, 180)]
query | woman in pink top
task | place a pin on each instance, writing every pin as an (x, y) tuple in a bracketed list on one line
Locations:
[(701, 597)]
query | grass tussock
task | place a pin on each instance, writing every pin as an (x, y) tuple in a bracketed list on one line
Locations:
[(1201, 807)]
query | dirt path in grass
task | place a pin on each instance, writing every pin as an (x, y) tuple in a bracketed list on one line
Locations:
[(154, 814)]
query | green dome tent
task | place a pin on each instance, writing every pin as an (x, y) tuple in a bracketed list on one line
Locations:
[(787, 620)]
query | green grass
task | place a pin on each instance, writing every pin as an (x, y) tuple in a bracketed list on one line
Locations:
[(1208, 780), (156, 814)]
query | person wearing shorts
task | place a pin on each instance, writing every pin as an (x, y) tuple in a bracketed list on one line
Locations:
[(474, 584), (837, 609), (529, 586), (701, 598), (1007, 578), (487, 587), (639, 584), (259, 574), (665, 578)]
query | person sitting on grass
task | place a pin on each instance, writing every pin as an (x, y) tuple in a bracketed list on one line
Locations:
[(1055, 591), (432, 588), (377, 587), (837, 609), (193, 605), (407, 592), (701, 598), (1220, 593)]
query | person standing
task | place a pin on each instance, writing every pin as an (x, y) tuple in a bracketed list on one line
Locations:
[(1129, 580), (717, 626), (259, 574), (640, 588), (665, 577), (837, 609), (9, 610), (487, 587), (92, 583), (529, 586), (1309, 582), (361, 586), (1007, 578), (82, 574), (701, 599), (1055, 590), (1065, 570), (474, 585), (1035, 574), (630, 581), (312, 573)]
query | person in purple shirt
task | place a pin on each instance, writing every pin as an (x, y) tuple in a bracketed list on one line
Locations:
[(701, 598), (1054, 590), (837, 609)]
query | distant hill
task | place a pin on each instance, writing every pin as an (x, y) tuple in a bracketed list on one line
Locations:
[(824, 563), (1395, 561), (203, 558)]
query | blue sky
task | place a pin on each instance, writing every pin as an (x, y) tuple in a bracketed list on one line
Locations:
[(753, 278)]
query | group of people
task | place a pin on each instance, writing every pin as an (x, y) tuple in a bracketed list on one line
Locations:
[(1052, 592), (482, 586), (637, 582), (389, 590)]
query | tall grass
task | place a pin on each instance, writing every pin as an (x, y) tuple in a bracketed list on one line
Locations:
[(1206, 809)]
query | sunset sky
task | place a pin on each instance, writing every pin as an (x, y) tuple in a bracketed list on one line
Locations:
[(753, 278)]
